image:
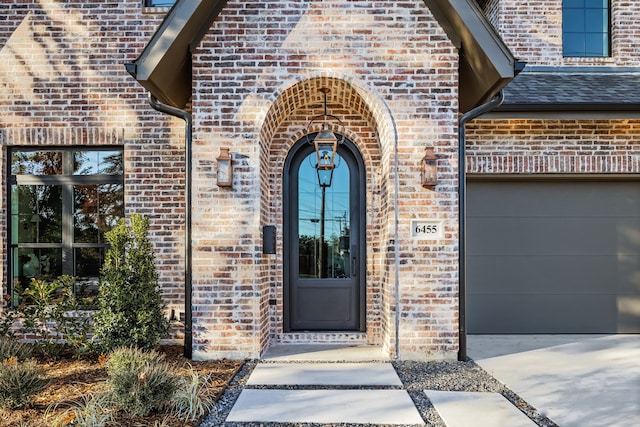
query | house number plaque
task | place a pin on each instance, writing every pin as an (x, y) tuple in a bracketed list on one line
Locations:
[(427, 229)]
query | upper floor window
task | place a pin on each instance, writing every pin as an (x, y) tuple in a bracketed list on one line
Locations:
[(586, 28), (62, 202), (159, 3)]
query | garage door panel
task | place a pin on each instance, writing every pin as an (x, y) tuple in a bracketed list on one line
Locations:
[(553, 257), (543, 198), (539, 236), (523, 274), (539, 314), (629, 274)]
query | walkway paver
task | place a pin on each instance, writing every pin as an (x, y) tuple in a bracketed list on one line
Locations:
[(325, 406), (325, 374), (473, 409), (337, 395)]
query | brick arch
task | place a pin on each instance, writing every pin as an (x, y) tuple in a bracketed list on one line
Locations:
[(370, 126)]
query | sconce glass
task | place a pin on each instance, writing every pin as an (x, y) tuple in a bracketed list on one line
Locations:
[(326, 145), (429, 169), (225, 169)]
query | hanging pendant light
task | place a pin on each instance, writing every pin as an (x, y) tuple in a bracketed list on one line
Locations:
[(325, 143)]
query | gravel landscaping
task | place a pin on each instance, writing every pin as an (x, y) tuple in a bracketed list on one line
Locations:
[(415, 376)]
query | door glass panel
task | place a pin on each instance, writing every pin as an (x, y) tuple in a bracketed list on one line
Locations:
[(323, 221)]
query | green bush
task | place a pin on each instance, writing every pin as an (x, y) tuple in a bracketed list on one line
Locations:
[(140, 381), (19, 381), (131, 310), (12, 348), (50, 311)]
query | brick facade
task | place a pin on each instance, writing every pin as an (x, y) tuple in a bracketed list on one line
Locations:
[(533, 31), (393, 78)]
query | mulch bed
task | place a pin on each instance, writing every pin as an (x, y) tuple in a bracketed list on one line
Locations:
[(71, 380)]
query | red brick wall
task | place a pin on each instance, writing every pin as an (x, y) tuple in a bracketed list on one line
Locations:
[(533, 31), (393, 75), (387, 67), (554, 146), (63, 82)]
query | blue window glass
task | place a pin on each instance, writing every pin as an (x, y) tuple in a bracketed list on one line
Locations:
[(585, 28), (159, 3)]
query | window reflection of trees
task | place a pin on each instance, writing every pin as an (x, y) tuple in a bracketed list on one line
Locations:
[(40, 242)]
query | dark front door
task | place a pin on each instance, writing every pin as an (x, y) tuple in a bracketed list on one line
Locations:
[(324, 241)]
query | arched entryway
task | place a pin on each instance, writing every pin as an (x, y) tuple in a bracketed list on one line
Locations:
[(324, 236), (369, 131)]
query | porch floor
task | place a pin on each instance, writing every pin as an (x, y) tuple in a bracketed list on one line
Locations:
[(324, 353)]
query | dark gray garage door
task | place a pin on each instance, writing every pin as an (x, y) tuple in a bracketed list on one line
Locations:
[(553, 257)]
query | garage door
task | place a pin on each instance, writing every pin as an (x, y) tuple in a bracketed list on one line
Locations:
[(553, 257)]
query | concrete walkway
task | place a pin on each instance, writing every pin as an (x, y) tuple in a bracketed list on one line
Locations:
[(581, 381), (575, 380), (300, 390)]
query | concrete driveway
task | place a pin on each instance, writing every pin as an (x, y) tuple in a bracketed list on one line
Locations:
[(575, 380)]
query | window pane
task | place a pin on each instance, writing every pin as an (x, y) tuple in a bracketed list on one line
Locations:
[(43, 263), (88, 261), (160, 3), (573, 45), (97, 162), (597, 4), (573, 21), (98, 208), (597, 45), (323, 221), (36, 163), (595, 20), (573, 3), (36, 214)]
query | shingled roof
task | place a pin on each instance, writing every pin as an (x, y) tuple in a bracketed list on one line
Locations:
[(164, 66), (574, 89)]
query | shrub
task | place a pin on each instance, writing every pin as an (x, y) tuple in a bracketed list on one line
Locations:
[(12, 348), (51, 312), (19, 381), (192, 400), (7, 318), (140, 381), (131, 310)]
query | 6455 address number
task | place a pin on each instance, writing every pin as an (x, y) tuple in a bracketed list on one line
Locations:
[(426, 229)]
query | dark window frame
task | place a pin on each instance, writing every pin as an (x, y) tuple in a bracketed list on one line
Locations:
[(67, 180), (605, 52)]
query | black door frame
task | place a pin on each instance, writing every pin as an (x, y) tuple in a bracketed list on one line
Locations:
[(303, 148)]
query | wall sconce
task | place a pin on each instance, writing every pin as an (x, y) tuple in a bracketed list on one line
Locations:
[(225, 168), (429, 168)]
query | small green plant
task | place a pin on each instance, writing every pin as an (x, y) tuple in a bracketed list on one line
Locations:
[(140, 381), (191, 401), (131, 310), (19, 382), (51, 313), (92, 410), (7, 318), (12, 348)]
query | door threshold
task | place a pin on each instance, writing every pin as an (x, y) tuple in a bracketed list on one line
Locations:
[(324, 353)]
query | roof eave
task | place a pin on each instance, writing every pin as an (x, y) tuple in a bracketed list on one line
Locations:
[(486, 63), (164, 66)]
